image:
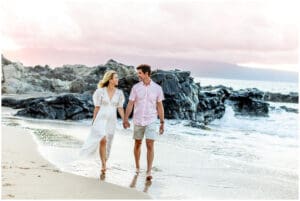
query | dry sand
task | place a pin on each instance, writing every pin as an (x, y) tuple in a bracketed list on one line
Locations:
[(27, 175)]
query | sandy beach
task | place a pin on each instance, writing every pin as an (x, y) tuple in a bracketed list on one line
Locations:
[(26, 175)]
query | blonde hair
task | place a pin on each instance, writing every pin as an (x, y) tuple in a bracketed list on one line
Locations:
[(105, 80)]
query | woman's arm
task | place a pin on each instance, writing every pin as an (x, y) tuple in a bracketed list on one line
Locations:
[(121, 112), (96, 110)]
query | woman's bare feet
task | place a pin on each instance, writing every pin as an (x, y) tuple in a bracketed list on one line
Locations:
[(103, 169), (102, 173)]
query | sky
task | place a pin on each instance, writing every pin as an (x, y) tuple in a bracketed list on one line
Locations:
[(253, 33)]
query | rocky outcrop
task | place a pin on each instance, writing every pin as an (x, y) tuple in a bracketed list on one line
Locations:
[(184, 99), (248, 102), (4, 62), (63, 107), (19, 79), (292, 97), (287, 109)]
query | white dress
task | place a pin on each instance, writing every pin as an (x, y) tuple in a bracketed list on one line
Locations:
[(104, 123)]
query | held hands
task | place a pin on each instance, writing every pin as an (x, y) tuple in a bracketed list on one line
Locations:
[(126, 124), (161, 128)]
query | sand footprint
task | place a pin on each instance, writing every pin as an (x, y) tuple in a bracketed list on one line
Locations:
[(6, 184), (24, 168)]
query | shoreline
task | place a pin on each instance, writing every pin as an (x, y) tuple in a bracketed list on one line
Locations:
[(27, 175)]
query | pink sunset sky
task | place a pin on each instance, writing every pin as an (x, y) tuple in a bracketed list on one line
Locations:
[(255, 33)]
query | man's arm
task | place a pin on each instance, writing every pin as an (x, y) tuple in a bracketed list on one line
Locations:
[(127, 113), (161, 115)]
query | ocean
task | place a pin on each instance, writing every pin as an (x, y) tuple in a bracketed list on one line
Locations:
[(276, 87), (238, 157)]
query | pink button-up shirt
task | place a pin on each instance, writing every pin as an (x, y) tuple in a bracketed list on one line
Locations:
[(145, 98)]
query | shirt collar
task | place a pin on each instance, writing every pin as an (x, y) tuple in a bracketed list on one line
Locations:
[(151, 82)]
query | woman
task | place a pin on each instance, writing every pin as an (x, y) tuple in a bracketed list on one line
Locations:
[(107, 99)]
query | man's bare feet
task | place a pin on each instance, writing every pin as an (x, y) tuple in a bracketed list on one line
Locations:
[(148, 176)]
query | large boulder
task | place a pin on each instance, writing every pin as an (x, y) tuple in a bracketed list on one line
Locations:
[(211, 105), (77, 86), (63, 107), (249, 102), (185, 100), (122, 70), (5, 61), (181, 98)]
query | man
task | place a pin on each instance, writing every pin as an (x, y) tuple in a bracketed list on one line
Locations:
[(146, 97)]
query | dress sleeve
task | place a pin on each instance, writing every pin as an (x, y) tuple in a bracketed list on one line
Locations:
[(97, 98), (121, 99)]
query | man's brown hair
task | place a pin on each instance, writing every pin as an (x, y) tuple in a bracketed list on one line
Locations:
[(145, 68)]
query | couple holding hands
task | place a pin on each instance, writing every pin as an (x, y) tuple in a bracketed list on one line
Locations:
[(145, 97)]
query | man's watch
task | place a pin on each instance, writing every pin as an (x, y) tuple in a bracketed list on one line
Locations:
[(162, 122)]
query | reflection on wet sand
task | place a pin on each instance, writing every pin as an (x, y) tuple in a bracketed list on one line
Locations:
[(133, 182), (148, 183), (102, 176)]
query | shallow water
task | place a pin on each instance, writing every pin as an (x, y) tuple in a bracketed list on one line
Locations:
[(276, 87)]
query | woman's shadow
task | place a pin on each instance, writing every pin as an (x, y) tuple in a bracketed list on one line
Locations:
[(148, 183)]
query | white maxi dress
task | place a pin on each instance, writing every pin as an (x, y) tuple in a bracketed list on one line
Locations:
[(104, 123)]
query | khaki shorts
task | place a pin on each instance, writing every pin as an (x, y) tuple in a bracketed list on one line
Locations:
[(150, 131)]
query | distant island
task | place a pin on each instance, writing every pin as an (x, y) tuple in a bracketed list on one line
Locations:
[(222, 70)]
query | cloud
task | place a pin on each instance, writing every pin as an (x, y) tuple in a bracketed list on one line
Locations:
[(230, 31)]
